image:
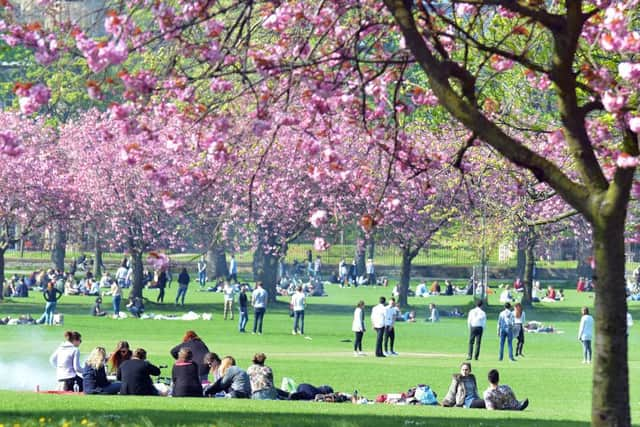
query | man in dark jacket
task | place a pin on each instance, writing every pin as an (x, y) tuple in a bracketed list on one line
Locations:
[(135, 375)]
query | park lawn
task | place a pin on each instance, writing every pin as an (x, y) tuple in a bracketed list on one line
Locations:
[(550, 374)]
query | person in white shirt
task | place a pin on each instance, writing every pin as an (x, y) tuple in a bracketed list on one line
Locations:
[(390, 315), (476, 321), (233, 269), (229, 295), (434, 314), (259, 302), (377, 321), (202, 271), (585, 334), (371, 273), (357, 326), (66, 360), (317, 265), (297, 306)]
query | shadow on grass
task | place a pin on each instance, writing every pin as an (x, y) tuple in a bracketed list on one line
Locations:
[(314, 416)]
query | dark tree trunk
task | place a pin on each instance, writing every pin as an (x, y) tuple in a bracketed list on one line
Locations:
[(520, 255), (529, 265), (371, 248), (136, 264), (361, 252), (610, 396), (59, 248), (265, 270), (216, 258), (3, 249), (405, 276), (97, 254)]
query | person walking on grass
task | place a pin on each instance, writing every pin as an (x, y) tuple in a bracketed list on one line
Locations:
[(183, 284), (476, 321), (259, 302), (202, 271), (244, 312), (506, 324), (357, 326), (229, 295), (297, 306), (378, 322), (585, 334)]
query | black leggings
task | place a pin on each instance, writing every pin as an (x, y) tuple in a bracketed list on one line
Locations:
[(357, 344), (389, 336)]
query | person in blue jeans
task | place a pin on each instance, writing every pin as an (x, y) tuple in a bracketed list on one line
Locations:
[(183, 284), (244, 313), (202, 271), (506, 322), (51, 296), (259, 302)]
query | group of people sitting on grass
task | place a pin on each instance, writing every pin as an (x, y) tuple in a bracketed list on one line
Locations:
[(197, 372)]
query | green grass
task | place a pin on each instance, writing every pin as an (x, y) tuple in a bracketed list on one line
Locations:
[(551, 375)]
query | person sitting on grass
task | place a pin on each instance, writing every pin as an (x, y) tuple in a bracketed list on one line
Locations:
[(135, 375), (96, 310), (66, 360), (463, 390), (135, 306), (94, 374), (185, 377), (212, 361), (261, 378), (121, 353), (501, 396), (233, 380)]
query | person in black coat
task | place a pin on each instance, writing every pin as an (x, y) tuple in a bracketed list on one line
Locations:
[(161, 285), (94, 374), (306, 391), (135, 375), (185, 376), (198, 348)]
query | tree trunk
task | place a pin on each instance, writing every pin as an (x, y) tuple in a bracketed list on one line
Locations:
[(265, 270), (3, 249), (217, 259), (520, 257), (371, 247), (405, 277), (59, 248), (529, 265), (136, 264), (97, 254), (610, 396), (361, 252)]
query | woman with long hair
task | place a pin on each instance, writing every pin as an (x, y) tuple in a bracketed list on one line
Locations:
[(121, 353), (233, 380), (94, 374), (463, 390), (199, 350), (357, 326), (520, 320)]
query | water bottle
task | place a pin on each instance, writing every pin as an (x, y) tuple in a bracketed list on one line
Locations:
[(76, 387)]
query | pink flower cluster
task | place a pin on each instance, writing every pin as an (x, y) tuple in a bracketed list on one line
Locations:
[(9, 144), (46, 47), (320, 245), (318, 218), (31, 97), (100, 55)]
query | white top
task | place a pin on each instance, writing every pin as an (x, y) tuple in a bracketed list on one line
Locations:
[(122, 273), (358, 320), (259, 298), (519, 320), (66, 360), (233, 266), (202, 266), (477, 318), (369, 267), (585, 332), (505, 296), (229, 292), (378, 314), (297, 301)]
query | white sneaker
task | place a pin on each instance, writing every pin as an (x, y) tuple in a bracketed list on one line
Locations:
[(293, 332), (361, 353), (386, 353), (356, 354), (393, 353)]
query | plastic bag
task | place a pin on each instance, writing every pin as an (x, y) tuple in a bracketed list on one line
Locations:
[(425, 395), (288, 385)]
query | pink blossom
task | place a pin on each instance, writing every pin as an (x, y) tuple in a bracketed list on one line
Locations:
[(556, 138), (220, 85), (500, 63), (629, 70), (625, 160), (31, 98), (465, 9), (634, 124), (320, 245), (613, 102), (318, 218), (9, 144)]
